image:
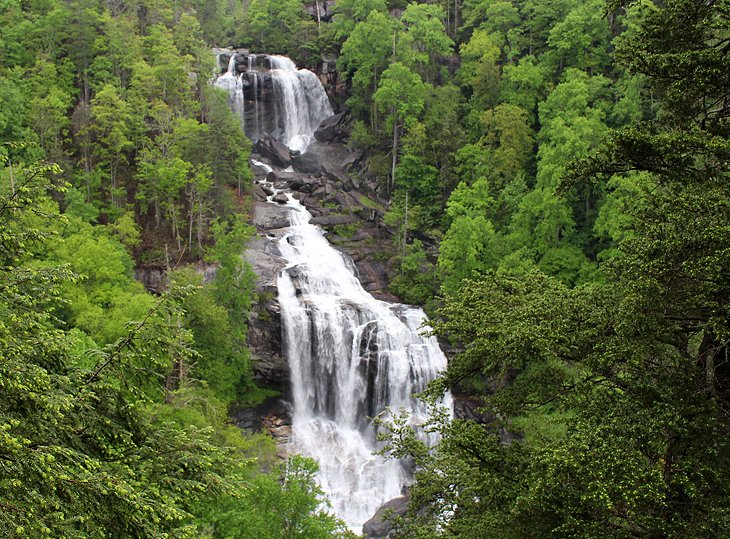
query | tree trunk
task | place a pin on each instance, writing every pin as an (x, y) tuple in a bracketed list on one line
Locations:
[(200, 224), (405, 227), (394, 161), (191, 215)]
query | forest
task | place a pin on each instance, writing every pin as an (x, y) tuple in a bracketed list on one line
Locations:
[(556, 175)]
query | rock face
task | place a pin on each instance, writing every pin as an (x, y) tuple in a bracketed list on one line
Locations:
[(154, 278), (332, 129), (351, 219), (275, 151), (273, 415), (381, 525), (264, 336)]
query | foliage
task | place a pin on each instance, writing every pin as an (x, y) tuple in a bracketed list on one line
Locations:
[(280, 504), (608, 400)]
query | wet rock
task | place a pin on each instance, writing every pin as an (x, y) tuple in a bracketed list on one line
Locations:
[(305, 184), (281, 198), (332, 220), (307, 163), (381, 525), (277, 152), (330, 129), (273, 410), (268, 216), (260, 192), (282, 176)]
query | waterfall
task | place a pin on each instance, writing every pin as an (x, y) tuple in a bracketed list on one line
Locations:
[(275, 99), (351, 356), (232, 83)]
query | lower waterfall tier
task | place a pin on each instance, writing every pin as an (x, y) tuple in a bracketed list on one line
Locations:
[(351, 358)]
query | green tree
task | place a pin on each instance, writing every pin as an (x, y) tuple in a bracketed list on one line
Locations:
[(480, 69), (363, 59), (278, 505), (618, 389), (110, 117), (272, 24), (348, 13), (401, 97), (80, 458), (424, 43)]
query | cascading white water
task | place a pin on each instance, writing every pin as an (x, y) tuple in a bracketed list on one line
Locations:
[(301, 102), (232, 83), (351, 356), (298, 106)]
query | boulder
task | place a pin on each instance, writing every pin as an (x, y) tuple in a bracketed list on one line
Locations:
[(260, 192), (337, 175), (305, 184), (281, 198), (352, 160), (269, 216), (332, 220), (330, 129), (307, 163), (274, 150), (380, 525), (281, 176)]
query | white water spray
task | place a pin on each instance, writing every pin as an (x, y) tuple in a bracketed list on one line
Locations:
[(351, 357), (297, 107)]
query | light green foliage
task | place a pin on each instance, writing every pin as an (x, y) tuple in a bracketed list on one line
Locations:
[(13, 113), (126, 230), (401, 95), (618, 387), (79, 457), (497, 17), (480, 70), (581, 39), (523, 85), (274, 508), (51, 90), (273, 24), (110, 125), (363, 59), (470, 245), (424, 41), (415, 281), (503, 151), (348, 13), (106, 297), (222, 361), (572, 121), (233, 291), (444, 133)]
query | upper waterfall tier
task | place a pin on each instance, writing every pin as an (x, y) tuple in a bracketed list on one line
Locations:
[(274, 98)]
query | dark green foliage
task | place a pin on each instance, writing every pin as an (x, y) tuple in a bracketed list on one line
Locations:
[(87, 446), (79, 458), (615, 392)]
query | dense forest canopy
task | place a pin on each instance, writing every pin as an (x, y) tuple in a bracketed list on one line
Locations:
[(556, 174)]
